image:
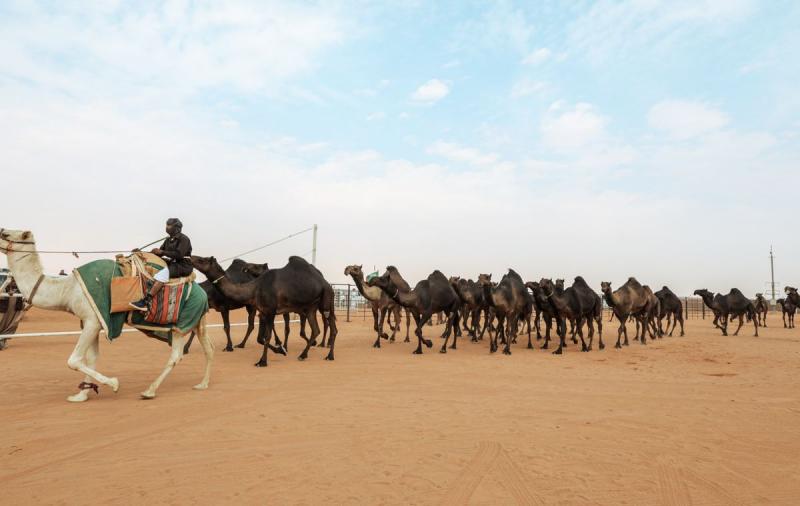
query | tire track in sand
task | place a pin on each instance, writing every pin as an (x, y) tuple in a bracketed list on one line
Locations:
[(467, 481), (672, 488)]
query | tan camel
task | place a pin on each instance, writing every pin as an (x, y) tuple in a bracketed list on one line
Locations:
[(63, 293), (381, 304)]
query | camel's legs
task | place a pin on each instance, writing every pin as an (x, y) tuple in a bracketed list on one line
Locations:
[(208, 351), (579, 327), (590, 326), (91, 359), (174, 357), (251, 315), (395, 311), (378, 315), (499, 332), (88, 338), (741, 322), (226, 325), (374, 308), (331, 318), (755, 325), (421, 320), (513, 320), (599, 320), (312, 321), (561, 330), (268, 322)]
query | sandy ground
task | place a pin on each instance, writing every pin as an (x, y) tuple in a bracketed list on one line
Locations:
[(702, 419)]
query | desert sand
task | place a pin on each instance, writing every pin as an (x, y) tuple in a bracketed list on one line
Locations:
[(701, 419)]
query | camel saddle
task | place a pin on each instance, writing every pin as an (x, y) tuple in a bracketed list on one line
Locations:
[(137, 269)]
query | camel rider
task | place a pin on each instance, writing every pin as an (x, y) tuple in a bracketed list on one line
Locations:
[(176, 250)]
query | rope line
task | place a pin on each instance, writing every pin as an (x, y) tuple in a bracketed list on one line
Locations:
[(309, 229)]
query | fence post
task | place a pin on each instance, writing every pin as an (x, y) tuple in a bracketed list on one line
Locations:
[(348, 302), (703, 308)]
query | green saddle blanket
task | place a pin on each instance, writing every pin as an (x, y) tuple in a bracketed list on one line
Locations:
[(95, 281)]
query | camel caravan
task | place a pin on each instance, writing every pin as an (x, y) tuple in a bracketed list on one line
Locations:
[(156, 293)]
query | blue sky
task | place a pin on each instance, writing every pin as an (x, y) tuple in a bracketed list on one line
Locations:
[(610, 138)]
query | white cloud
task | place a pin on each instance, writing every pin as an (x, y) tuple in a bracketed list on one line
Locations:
[(611, 28), (526, 87), (565, 128), (684, 119), (184, 47), (539, 56), (431, 91), (458, 153)]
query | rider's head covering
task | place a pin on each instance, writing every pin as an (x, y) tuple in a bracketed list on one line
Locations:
[(176, 222)]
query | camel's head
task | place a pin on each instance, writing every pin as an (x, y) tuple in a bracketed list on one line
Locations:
[(560, 284), (533, 285), (208, 266), (759, 296), (354, 270), (9, 237), (547, 285), (383, 282), (255, 270), (605, 286), (702, 292), (790, 290), (485, 279)]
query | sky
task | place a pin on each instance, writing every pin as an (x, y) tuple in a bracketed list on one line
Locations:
[(647, 138)]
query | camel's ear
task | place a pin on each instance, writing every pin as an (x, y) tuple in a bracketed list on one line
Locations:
[(361, 266), (212, 259)]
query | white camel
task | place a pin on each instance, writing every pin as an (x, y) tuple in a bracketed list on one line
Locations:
[(63, 293)]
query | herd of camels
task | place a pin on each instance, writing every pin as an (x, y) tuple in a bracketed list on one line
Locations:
[(504, 309)]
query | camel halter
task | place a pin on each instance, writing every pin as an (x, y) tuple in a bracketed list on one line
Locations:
[(33, 292), (217, 280)]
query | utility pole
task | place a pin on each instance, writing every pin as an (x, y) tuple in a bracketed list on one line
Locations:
[(772, 273), (314, 247)]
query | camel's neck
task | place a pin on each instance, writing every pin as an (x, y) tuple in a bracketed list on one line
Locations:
[(371, 293), (611, 298), (243, 293), (27, 269), (406, 299), (488, 294), (558, 301), (708, 299)]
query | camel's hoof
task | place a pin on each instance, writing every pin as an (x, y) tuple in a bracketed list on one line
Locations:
[(81, 396), (602, 346), (227, 348), (376, 344), (530, 346), (557, 352), (261, 363), (201, 386), (407, 340), (417, 352), (428, 343), (329, 357), (443, 350), (114, 384), (391, 339), (148, 395), (506, 352), (302, 357), (618, 346), (240, 346)]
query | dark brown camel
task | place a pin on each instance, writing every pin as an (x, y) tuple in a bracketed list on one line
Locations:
[(671, 307), (734, 305), (787, 310), (257, 270), (428, 297), (543, 310), (577, 303), (224, 305), (653, 311), (297, 287), (629, 299), (509, 300), (762, 309), (473, 304), (380, 303), (791, 304)]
